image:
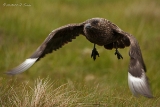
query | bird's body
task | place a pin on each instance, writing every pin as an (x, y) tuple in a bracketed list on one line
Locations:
[(99, 31), (102, 32)]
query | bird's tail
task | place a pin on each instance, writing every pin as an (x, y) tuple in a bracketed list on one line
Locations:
[(137, 79)]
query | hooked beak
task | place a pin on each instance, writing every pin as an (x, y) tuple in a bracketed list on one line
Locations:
[(88, 26)]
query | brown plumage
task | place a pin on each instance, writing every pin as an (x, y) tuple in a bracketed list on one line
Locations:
[(103, 33)]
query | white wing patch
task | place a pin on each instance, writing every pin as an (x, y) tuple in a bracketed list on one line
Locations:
[(22, 67), (139, 85)]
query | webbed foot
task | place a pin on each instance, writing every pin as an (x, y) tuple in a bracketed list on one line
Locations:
[(119, 56), (94, 53)]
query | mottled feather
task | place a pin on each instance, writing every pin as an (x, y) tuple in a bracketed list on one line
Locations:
[(57, 38)]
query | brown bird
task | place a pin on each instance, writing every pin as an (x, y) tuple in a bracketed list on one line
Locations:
[(102, 32)]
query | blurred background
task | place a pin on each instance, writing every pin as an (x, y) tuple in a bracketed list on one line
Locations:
[(25, 24)]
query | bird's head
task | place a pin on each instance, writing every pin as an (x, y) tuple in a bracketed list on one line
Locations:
[(95, 23)]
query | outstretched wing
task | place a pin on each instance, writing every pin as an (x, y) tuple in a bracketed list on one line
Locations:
[(137, 79), (122, 40), (55, 40)]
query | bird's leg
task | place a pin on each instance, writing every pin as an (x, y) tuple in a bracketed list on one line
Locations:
[(94, 53), (119, 56)]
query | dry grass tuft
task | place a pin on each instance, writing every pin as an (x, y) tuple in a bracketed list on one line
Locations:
[(42, 95)]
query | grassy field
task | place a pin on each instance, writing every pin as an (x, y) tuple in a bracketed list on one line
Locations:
[(69, 77)]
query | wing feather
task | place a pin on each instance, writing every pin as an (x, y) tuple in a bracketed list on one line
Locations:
[(55, 40), (139, 85), (137, 79), (122, 40)]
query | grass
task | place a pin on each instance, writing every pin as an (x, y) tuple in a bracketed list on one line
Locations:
[(41, 95), (46, 94), (74, 78)]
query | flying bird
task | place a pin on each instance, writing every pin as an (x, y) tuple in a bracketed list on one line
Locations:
[(102, 32)]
